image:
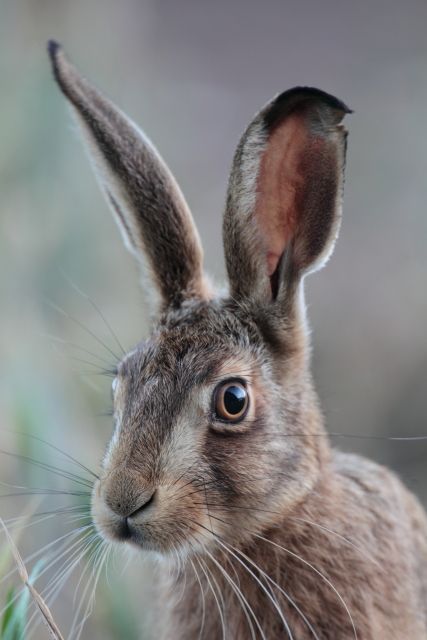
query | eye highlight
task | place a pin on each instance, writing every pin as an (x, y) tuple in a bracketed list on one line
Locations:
[(231, 401)]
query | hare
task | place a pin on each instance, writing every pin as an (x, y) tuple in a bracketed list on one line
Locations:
[(220, 463)]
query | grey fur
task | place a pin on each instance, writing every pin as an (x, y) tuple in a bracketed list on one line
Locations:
[(342, 541)]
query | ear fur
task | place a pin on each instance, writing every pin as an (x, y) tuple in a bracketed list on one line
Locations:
[(151, 211), (283, 208)]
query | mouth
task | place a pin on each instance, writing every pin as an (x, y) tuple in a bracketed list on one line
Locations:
[(114, 527), (140, 529), (160, 523), (124, 530)]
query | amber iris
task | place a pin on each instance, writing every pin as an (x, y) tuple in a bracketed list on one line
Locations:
[(231, 401)]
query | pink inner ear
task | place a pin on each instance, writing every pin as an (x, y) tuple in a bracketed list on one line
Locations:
[(279, 182)]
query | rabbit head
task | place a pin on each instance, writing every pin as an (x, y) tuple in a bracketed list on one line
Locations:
[(216, 422)]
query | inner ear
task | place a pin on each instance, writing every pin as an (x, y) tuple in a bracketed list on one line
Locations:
[(276, 276), (283, 208), (281, 180)]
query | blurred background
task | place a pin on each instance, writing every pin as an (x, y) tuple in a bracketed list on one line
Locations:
[(192, 74)]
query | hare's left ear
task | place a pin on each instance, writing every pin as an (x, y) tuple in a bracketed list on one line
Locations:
[(284, 199), (147, 202)]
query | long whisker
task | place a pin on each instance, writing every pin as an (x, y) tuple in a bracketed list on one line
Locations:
[(282, 591), (40, 552), (263, 587), (196, 488), (97, 309), (319, 573), (343, 538), (64, 313), (96, 554), (90, 604), (54, 448), (68, 475), (268, 593), (333, 434), (84, 544), (252, 509), (221, 614), (96, 367), (246, 608), (202, 624), (75, 509), (304, 561), (73, 345), (301, 559), (44, 492), (56, 583), (57, 556)]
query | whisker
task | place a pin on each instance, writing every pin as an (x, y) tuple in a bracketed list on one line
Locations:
[(68, 475), (93, 555), (268, 594), (90, 605), (332, 434), (67, 356), (61, 575), (343, 538), (301, 559), (75, 509), (97, 309), (64, 313), (57, 582), (197, 489), (282, 591), (378, 437), (319, 573), (221, 614), (57, 555), (202, 624), (44, 492), (73, 345), (246, 608), (252, 509), (41, 551), (56, 448)]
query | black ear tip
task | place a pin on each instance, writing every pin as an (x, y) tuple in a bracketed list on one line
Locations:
[(316, 94), (296, 98), (329, 99), (53, 47)]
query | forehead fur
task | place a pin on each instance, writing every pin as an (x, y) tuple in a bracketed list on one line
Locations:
[(195, 339)]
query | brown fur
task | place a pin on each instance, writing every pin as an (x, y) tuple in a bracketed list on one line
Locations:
[(273, 533)]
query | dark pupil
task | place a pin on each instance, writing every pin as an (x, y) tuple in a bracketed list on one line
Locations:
[(234, 400)]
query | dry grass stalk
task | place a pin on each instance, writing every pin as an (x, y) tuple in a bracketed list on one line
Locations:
[(40, 603)]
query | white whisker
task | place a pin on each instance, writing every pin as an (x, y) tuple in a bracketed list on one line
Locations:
[(221, 614)]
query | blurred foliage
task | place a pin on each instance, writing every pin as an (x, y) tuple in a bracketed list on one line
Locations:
[(14, 617), (192, 74)]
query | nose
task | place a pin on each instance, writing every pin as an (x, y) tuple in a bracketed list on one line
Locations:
[(123, 528)]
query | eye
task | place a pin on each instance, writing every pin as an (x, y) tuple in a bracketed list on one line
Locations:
[(231, 401)]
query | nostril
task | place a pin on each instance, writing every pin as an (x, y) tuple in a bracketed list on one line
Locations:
[(128, 506), (142, 506), (125, 502)]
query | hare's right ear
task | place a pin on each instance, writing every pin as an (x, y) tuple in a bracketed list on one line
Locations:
[(148, 204), (284, 199)]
